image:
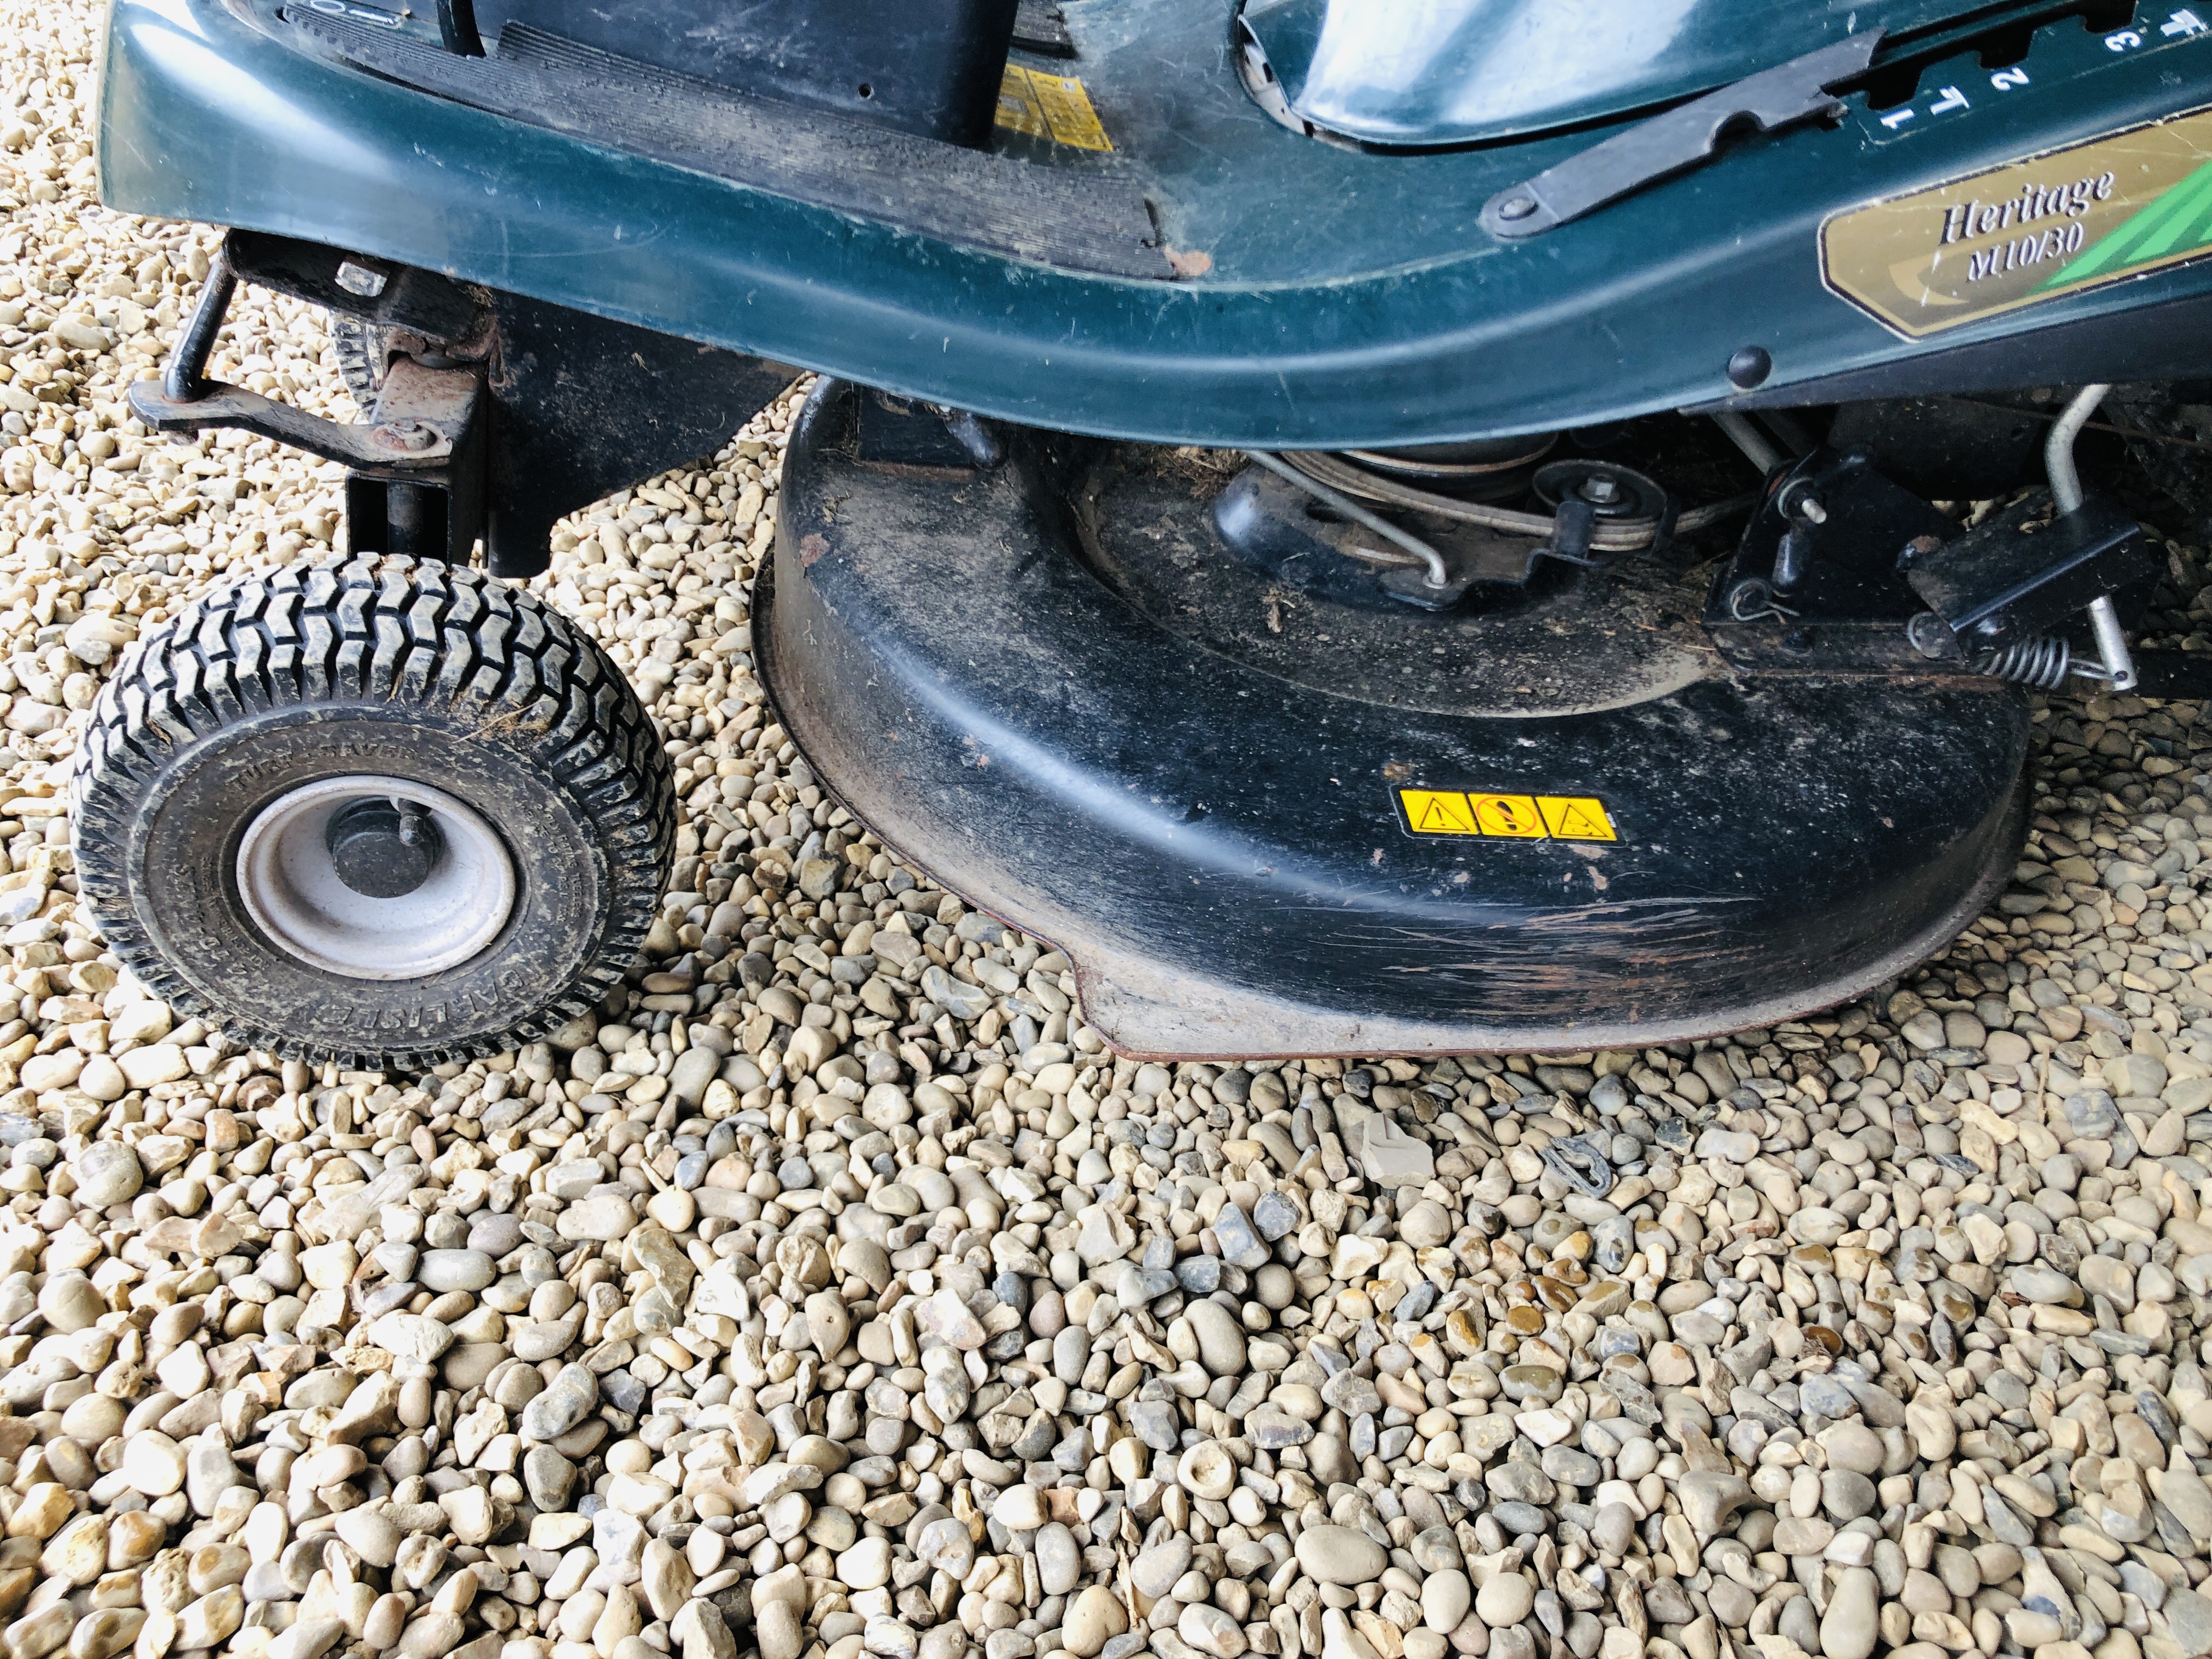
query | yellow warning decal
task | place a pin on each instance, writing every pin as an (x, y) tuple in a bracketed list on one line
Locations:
[(1019, 109), (1575, 817), (1040, 105), (1519, 817), (1507, 815), (1437, 812), (1067, 111)]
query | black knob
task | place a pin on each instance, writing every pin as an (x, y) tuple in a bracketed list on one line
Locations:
[(1749, 368)]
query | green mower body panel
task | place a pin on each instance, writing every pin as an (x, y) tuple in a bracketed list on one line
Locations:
[(1308, 294)]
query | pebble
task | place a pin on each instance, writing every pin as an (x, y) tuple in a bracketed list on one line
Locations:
[(1058, 1559), (107, 1173), (1094, 1619), (1155, 1571), (454, 1270), (1446, 1598), (1339, 1555), (1504, 1599), (780, 1634), (866, 1566), (2189, 1617), (601, 1218), (561, 1406), (945, 1546), (1851, 1624), (1221, 1346)]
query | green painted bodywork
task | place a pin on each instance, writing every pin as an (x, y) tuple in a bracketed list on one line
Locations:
[(1415, 72), (1344, 299)]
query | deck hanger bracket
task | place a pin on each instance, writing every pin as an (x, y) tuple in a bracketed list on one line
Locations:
[(1685, 136), (424, 417)]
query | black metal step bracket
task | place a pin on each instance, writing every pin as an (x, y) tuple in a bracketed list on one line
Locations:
[(415, 469)]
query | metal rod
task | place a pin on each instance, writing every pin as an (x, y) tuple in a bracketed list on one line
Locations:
[(1788, 431), (2112, 645), (184, 379), (1750, 440), (2119, 664), (2058, 447), (1438, 576)]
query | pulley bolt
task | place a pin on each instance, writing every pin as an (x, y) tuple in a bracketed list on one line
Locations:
[(360, 279), (408, 435), (1600, 490)]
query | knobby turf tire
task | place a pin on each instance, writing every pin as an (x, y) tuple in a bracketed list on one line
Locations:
[(359, 348), (402, 668)]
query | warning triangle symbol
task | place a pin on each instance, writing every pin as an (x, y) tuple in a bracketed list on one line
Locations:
[(1436, 815), (1437, 812), (1577, 817)]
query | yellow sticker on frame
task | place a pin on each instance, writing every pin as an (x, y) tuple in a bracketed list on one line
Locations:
[(1506, 816), (1041, 105), (1019, 109)]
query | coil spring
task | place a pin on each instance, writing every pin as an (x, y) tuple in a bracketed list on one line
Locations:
[(2043, 663)]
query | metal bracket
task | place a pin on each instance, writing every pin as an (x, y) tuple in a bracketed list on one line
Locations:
[(1814, 585), (414, 480), (1581, 1162), (436, 511), (1998, 586), (422, 417), (382, 293), (1681, 139)]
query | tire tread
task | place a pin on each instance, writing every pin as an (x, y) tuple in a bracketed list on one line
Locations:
[(374, 629)]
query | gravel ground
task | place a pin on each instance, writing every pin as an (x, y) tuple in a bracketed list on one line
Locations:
[(835, 1292)]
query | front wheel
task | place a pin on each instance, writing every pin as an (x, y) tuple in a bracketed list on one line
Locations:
[(373, 811)]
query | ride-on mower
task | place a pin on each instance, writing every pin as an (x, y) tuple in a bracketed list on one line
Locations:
[(1376, 526)]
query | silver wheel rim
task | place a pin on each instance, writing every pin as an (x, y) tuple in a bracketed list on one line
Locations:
[(291, 888)]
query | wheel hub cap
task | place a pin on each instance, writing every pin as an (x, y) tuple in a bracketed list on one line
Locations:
[(375, 878), (383, 849)]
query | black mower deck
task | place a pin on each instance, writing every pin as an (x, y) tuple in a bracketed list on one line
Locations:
[(1260, 823)]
